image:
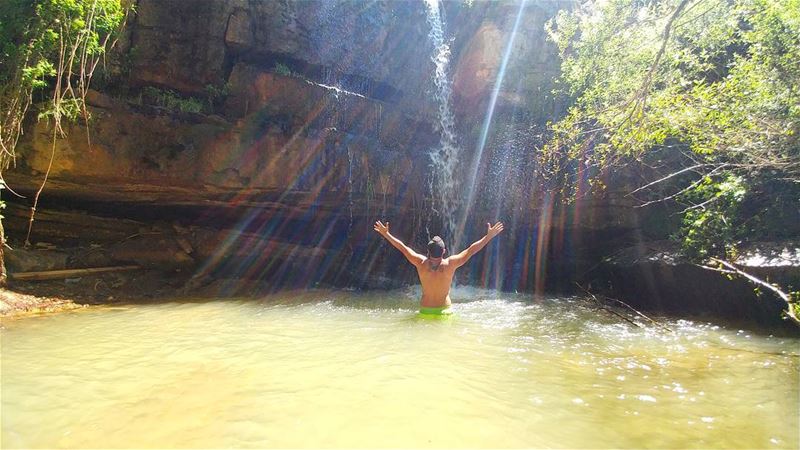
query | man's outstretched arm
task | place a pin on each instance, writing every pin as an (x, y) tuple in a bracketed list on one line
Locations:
[(412, 256), (462, 258)]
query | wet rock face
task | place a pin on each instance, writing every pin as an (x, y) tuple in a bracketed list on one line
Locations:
[(531, 67), (178, 44), (378, 48), (22, 260), (322, 120), (312, 96), (285, 134)]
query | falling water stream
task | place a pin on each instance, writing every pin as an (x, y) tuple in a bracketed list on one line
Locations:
[(352, 369), (444, 159)]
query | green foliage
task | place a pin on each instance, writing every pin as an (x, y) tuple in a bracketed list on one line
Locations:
[(795, 302), (69, 109), (53, 44), (172, 101), (282, 69), (216, 94), (31, 33), (724, 80), (715, 82), (705, 94), (714, 228)]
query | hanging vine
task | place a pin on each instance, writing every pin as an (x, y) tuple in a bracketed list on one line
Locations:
[(53, 47), (49, 49)]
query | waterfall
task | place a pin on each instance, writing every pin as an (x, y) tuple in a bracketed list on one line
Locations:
[(444, 159)]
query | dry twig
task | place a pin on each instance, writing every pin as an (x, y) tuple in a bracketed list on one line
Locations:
[(600, 303)]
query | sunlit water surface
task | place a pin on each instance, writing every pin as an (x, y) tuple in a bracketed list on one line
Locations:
[(358, 369)]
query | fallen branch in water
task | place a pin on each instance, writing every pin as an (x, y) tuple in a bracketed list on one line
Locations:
[(602, 306), (638, 313), (732, 269)]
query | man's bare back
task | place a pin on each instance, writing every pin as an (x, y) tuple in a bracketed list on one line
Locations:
[(435, 280), (436, 273)]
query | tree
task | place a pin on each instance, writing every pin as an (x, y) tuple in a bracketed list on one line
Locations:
[(711, 86), (53, 46)]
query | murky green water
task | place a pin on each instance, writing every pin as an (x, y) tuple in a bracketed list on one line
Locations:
[(347, 369)]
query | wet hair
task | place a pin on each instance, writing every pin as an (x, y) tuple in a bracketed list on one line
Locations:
[(436, 247)]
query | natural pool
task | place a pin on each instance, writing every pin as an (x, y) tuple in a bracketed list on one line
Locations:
[(358, 369)]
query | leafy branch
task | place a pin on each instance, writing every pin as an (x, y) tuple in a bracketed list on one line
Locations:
[(698, 98), (53, 45), (792, 306)]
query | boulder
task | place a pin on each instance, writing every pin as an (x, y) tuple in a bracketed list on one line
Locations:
[(22, 260), (653, 276), (156, 252)]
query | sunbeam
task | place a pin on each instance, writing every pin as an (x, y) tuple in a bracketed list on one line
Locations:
[(472, 176)]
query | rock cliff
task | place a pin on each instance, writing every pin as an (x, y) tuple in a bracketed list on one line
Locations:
[(318, 116), (259, 140)]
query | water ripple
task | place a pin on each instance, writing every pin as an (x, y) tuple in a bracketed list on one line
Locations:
[(329, 368)]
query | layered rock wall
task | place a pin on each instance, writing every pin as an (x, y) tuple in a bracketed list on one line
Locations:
[(285, 128)]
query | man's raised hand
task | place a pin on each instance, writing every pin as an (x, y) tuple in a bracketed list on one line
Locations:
[(382, 229), (492, 230)]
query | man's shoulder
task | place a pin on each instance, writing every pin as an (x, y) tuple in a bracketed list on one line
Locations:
[(447, 264)]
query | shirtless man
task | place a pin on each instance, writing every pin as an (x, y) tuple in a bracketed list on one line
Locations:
[(435, 271)]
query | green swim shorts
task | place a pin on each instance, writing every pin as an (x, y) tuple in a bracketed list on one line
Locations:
[(435, 311)]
